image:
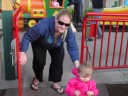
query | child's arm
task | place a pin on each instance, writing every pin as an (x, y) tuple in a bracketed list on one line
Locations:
[(93, 88), (70, 88)]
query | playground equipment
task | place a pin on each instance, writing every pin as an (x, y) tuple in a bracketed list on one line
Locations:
[(34, 10), (117, 10)]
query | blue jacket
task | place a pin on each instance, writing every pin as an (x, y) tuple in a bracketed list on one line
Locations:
[(43, 32)]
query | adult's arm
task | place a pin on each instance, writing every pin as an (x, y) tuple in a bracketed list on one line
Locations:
[(31, 35), (72, 47)]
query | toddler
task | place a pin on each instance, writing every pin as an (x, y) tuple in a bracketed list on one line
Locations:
[(82, 85)]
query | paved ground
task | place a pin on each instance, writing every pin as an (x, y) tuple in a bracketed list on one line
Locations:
[(101, 76)]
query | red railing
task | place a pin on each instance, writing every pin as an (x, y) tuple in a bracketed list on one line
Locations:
[(112, 50), (16, 16)]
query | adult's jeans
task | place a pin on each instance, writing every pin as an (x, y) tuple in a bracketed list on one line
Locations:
[(99, 31)]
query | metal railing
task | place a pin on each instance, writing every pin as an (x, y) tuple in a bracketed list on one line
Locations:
[(111, 51), (16, 16)]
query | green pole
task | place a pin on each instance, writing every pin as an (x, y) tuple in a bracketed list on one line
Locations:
[(7, 38)]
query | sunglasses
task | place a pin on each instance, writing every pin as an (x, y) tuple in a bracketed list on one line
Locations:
[(62, 23)]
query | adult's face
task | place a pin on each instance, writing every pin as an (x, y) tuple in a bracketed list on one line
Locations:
[(62, 23)]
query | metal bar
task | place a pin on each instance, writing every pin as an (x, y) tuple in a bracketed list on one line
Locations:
[(16, 17), (101, 46), (18, 58), (114, 49), (108, 43), (94, 51), (110, 67), (126, 53), (82, 39), (121, 43)]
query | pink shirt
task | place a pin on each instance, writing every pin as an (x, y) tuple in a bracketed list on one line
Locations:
[(55, 4), (83, 87)]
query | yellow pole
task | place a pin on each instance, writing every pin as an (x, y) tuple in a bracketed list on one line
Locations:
[(29, 5)]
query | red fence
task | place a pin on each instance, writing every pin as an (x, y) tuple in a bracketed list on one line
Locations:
[(112, 50)]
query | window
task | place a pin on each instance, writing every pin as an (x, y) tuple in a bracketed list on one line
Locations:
[(57, 3)]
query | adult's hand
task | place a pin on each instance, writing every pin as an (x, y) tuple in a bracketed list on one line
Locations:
[(23, 58), (76, 63)]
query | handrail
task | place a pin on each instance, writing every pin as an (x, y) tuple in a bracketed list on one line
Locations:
[(0, 10), (14, 5), (16, 16)]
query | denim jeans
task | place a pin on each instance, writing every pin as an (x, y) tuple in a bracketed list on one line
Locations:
[(99, 31)]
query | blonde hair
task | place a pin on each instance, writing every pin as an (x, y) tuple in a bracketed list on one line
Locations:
[(64, 12), (85, 68)]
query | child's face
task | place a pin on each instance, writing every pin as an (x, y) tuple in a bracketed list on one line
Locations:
[(85, 77)]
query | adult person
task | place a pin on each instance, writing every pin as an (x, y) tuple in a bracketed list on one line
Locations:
[(97, 6), (49, 35), (77, 11)]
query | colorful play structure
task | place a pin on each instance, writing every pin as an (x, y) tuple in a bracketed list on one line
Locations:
[(118, 10), (33, 10)]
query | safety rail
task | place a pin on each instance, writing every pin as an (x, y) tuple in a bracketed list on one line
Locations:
[(16, 5), (16, 16), (0, 10), (111, 51)]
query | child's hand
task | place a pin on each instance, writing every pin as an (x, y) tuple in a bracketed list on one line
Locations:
[(90, 93), (77, 93)]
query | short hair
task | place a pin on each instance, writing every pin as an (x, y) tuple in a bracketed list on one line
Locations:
[(85, 68), (64, 12)]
